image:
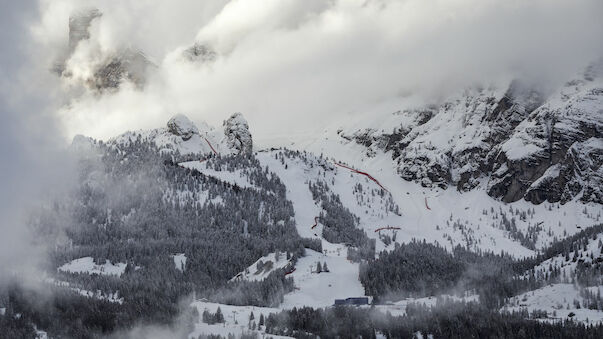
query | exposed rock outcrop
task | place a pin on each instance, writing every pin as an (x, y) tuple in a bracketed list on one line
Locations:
[(516, 104), (102, 71), (79, 26), (199, 53), (181, 126), (581, 170), (516, 144), (183, 136), (549, 143), (237, 134)]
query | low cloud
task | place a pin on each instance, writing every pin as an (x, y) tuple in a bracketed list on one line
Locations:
[(289, 64), (34, 165)]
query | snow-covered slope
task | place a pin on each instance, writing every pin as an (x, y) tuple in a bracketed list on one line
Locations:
[(262, 268), (447, 216), (564, 265), (560, 301), (320, 289), (515, 141), (235, 177), (353, 177), (566, 296), (87, 265), (368, 184)]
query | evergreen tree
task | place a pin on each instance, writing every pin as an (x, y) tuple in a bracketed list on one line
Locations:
[(219, 316)]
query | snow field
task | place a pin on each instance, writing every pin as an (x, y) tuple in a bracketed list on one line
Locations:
[(558, 301), (87, 265), (236, 319), (269, 264), (321, 289)]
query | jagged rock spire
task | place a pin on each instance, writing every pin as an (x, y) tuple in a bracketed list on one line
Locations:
[(237, 134)]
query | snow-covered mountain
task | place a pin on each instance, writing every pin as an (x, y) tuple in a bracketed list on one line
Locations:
[(509, 171), (381, 202), (191, 209), (183, 137), (515, 143)]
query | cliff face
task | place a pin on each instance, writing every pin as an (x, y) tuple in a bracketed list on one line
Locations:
[(550, 153), (97, 69), (79, 25), (237, 134), (516, 143)]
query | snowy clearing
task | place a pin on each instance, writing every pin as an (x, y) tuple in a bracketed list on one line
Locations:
[(87, 265), (321, 289), (180, 261), (262, 268), (558, 300)]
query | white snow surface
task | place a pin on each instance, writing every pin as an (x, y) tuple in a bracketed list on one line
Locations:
[(471, 218), (398, 308), (555, 299), (87, 265), (295, 178), (234, 178), (169, 143), (321, 289), (269, 264), (180, 261), (567, 268), (41, 334)]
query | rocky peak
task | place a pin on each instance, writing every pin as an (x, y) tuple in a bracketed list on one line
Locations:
[(79, 23), (238, 137), (128, 64), (199, 52), (520, 99), (520, 143), (82, 143), (105, 71), (181, 126)]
